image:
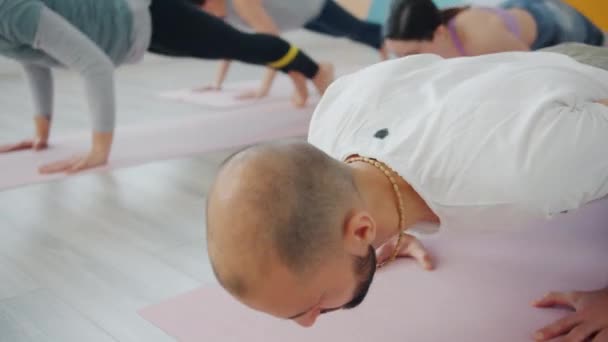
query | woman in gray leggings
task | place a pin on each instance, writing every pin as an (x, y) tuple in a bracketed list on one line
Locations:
[(93, 37)]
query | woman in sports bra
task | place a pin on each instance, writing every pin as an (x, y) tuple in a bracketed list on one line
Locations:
[(418, 26)]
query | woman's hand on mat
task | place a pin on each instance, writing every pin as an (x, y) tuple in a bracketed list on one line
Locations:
[(252, 94), (98, 156), (43, 127), (34, 144), (208, 88), (589, 322), (411, 247), (264, 88)]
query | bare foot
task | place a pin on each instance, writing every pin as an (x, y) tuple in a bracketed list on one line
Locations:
[(324, 77), (300, 95)]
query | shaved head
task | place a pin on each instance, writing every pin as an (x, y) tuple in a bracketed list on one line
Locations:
[(276, 205)]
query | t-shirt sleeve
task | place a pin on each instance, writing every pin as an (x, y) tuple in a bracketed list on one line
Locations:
[(567, 164), (19, 21)]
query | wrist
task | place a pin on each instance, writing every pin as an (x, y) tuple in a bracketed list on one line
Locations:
[(43, 127), (263, 92), (102, 142)]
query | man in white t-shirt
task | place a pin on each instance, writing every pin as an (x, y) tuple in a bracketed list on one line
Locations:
[(422, 143)]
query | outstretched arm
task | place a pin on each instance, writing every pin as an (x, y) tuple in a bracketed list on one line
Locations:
[(221, 74), (222, 71), (40, 80), (66, 44)]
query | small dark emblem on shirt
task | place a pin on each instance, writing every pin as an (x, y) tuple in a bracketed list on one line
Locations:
[(381, 134)]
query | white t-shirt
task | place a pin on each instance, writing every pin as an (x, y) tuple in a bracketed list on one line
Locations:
[(489, 142)]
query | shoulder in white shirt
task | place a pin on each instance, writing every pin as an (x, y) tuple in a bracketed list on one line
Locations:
[(489, 142)]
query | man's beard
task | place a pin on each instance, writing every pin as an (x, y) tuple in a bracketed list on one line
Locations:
[(365, 269)]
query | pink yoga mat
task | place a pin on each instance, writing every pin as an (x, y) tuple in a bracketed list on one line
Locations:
[(480, 291), (176, 138), (227, 97), (281, 92)]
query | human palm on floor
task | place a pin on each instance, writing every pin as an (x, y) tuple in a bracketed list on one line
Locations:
[(277, 16), (94, 37), (418, 142)]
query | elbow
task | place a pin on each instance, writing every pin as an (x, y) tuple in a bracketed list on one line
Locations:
[(101, 68)]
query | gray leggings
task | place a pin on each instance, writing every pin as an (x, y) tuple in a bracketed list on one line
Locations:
[(591, 55)]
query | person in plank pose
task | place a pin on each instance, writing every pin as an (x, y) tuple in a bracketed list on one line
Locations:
[(94, 37), (276, 16)]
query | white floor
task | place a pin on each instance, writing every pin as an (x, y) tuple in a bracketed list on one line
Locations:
[(79, 257)]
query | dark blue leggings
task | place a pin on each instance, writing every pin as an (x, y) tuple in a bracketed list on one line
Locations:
[(338, 22), (181, 29)]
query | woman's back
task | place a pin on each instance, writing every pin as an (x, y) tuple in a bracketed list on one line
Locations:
[(475, 25)]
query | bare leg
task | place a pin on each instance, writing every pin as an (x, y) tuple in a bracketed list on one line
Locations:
[(324, 77)]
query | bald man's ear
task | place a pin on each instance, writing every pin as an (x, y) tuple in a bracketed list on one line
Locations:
[(359, 233)]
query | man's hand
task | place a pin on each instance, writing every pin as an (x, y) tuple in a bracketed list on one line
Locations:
[(589, 322), (98, 156), (43, 128), (411, 247)]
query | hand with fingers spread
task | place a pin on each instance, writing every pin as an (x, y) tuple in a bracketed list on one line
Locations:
[(208, 88), (32, 144), (410, 247), (589, 322), (98, 156), (43, 126)]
